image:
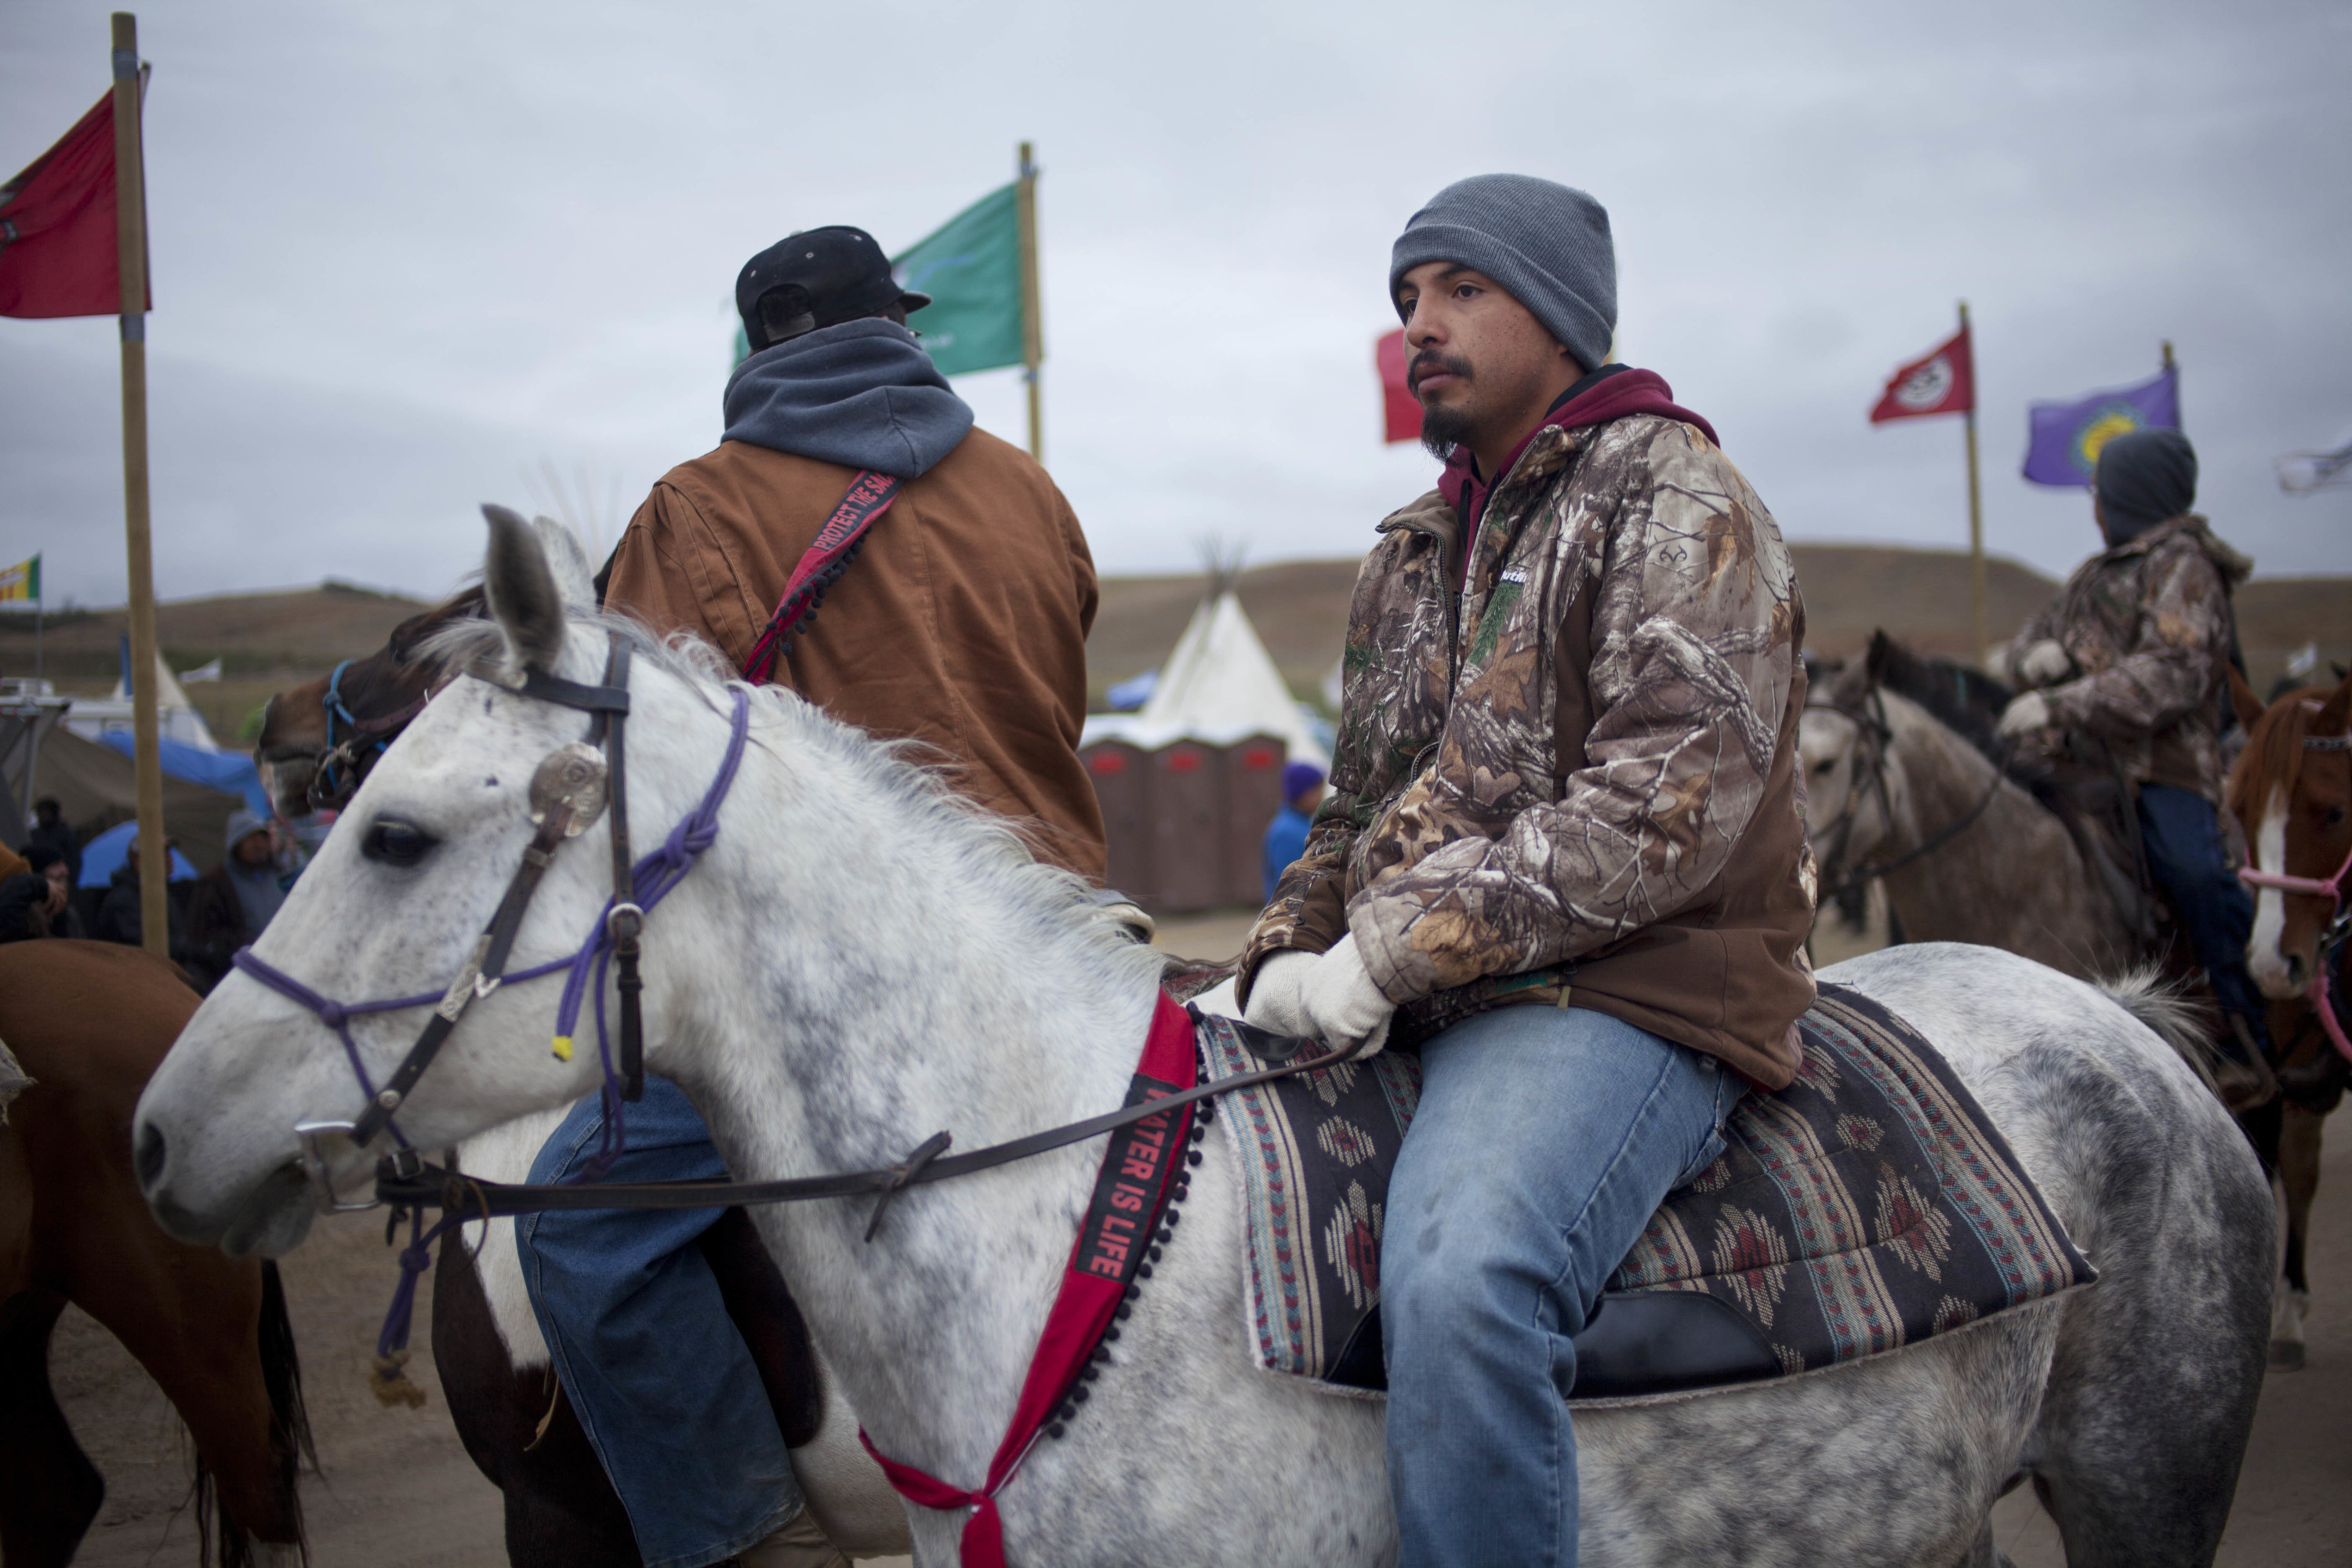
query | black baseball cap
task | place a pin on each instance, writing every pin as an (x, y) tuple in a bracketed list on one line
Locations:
[(839, 273)]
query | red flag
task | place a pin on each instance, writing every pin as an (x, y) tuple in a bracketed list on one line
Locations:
[(57, 226), (1944, 381), (1403, 408)]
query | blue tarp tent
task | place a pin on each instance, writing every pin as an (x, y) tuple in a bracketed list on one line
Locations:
[(103, 856), (231, 773)]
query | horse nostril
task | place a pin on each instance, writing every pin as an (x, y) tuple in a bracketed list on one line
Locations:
[(147, 1160), (2294, 971)]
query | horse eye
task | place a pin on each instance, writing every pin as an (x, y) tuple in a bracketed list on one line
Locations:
[(2335, 815), (395, 843), (1825, 766)]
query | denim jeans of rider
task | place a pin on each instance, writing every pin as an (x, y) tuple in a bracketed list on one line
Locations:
[(652, 1364), (1545, 1139), (2181, 835)]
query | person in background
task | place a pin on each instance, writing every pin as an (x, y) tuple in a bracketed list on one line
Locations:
[(1286, 835), (23, 897), (59, 908), (234, 901), (2135, 651), (119, 918), (49, 827)]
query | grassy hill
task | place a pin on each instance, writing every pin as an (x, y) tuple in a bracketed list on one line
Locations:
[(1301, 609), (267, 642)]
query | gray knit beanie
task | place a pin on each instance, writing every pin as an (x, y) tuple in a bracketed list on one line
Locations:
[(1547, 243)]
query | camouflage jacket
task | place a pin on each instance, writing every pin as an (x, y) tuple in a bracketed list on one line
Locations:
[(2148, 626), (1575, 782)]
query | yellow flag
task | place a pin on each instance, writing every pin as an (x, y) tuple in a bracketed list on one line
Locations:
[(22, 580)]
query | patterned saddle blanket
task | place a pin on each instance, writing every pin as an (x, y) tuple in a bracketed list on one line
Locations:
[(1867, 1206)]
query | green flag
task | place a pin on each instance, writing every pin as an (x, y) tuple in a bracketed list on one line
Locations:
[(972, 270)]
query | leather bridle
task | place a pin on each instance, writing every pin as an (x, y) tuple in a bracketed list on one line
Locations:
[(1873, 733), (343, 767), (574, 785)]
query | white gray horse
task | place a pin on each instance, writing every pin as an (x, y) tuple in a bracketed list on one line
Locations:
[(860, 961)]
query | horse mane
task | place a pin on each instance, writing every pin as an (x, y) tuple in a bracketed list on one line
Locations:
[(2272, 760), (1963, 698), (914, 778)]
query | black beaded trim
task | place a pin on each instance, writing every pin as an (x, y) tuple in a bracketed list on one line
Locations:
[(1080, 1392)]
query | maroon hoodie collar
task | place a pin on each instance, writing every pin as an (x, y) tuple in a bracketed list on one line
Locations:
[(1610, 393)]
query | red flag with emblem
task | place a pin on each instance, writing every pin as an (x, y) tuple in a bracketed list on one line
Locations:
[(1943, 381), (57, 226), (1401, 408)]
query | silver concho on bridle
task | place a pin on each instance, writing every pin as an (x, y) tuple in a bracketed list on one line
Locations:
[(571, 779)]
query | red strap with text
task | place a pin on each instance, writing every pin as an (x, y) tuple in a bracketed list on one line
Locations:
[(1130, 1191), (870, 495)]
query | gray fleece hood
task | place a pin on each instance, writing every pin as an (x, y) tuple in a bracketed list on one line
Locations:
[(863, 394)]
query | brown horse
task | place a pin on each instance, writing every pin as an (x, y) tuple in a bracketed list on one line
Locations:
[(319, 740), (2293, 797), (88, 1021)]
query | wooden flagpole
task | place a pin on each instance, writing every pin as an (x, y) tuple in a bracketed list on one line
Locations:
[(1976, 510), (1033, 329), (130, 259)]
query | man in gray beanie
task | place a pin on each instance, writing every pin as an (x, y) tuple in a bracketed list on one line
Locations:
[(2135, 651), (1562, 855)]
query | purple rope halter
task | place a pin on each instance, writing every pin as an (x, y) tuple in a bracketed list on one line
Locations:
[(656, 874)]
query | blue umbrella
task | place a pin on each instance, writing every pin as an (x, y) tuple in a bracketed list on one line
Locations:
[(103, 856)]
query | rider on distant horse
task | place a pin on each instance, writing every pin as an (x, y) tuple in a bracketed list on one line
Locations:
[(2135, 651), (963, 623), (1566, 777)]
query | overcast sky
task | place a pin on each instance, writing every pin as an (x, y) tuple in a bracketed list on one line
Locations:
[(406, 255)]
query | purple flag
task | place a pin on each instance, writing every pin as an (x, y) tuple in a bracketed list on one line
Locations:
[(2064, 438)]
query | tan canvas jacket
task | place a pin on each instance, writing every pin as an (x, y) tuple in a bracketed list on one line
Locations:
[(963, 623), (2148, 626), (1577, 783)]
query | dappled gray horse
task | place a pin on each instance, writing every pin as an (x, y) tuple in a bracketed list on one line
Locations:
[(858, 961)]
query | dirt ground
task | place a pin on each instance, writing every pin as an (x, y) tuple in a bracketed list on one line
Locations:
[(396, 1488)]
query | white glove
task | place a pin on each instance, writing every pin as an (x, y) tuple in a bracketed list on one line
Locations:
[(1275, 1001), (1341, 1003), (2044, 664), (2025, 714)]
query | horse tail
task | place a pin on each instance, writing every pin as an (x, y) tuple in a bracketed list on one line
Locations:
[(291, 1450), (290, 1446), (2165, 1008)]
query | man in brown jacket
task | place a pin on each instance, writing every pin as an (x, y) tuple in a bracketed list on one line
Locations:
[(1563, 854), (960, 621)]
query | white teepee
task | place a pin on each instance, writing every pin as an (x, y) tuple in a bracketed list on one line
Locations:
[(1219, 686)]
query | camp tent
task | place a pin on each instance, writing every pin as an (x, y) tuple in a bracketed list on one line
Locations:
[(1219, 686), (96, 787)]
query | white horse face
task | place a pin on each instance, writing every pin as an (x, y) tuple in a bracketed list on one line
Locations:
[(1841, 828), (391, 907)]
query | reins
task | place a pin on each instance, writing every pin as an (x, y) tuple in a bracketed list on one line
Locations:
[(409, 1182)]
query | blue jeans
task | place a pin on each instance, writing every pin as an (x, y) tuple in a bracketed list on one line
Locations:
[(2182, 838), (654, 1366), (1545, 1140)]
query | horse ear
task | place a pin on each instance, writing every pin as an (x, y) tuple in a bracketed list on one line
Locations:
[(2330, 720), (2242, 699), (574, 578), (522, 591), (1881, 653)]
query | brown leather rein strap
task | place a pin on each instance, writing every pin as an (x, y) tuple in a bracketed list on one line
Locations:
[(408, 1181)]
